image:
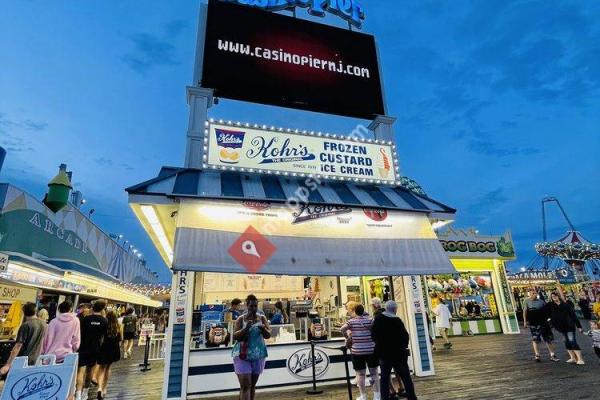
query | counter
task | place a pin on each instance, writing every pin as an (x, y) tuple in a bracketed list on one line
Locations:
[(288, 365)]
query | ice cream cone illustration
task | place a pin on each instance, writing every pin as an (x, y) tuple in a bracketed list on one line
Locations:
[(384, 172)]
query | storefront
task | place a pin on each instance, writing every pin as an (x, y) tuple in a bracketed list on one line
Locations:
[(308, 218), (342, 253), (64, 255), (545, 281), (478, 294)]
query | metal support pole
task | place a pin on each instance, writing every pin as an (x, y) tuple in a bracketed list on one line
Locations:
[(146, 365), (314, 389), (348, 384)]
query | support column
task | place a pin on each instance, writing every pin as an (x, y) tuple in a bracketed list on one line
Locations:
[(383, 127), (419, 330), (178, 336), (200, 100)]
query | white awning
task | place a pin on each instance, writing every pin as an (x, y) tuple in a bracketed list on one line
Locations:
[(269, 238)]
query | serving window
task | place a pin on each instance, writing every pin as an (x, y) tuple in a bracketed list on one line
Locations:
[(314, 307)]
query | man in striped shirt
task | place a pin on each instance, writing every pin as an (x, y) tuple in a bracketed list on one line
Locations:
[(358, 331)]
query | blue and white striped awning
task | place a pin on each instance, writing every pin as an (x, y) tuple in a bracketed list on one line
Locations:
[(211, 184)]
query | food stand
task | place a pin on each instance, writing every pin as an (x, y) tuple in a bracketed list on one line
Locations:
[(308, 218), (478, 295)]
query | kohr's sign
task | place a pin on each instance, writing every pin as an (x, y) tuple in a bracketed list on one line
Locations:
[(350, 11), (238, 147), (300, 363)]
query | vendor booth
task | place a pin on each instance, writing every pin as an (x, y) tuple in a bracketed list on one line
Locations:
[(224, 249), (478, 294), (307, 218)]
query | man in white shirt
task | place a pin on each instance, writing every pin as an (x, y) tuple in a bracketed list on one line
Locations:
[(442, 321)]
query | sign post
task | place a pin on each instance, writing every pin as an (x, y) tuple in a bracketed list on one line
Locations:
[(44, 381)]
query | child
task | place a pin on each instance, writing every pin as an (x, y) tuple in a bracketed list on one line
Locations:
[(595, 334)]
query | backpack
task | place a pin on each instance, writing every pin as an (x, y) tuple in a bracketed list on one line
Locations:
[(129, 324)]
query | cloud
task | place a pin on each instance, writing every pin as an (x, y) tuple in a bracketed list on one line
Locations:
[(105, 162), (26, 124), (150, 51), (489, 148), (537, 49), (175, 27), (487, 203)]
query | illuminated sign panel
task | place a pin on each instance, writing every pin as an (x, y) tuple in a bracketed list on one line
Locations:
[(257, 56), (349, 10), (268, 150)]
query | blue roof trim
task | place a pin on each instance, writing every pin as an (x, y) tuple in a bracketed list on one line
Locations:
[(230, 186), (186, 183)]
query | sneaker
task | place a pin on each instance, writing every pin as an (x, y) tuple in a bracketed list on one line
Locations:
[(362, 397), (78, 395), (554, 358), (571, 361), (537, 358), (376, 396), (580, 362)]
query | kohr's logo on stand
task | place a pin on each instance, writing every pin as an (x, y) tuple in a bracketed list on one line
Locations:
[(38, 385), (300, 363), (348, 10), (230, 145), (274, 151)]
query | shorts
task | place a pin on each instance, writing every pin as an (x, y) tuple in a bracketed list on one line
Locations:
[(88, 359), (128, 335), (360, 362), (541, 332), (571, 340), (249, 367)]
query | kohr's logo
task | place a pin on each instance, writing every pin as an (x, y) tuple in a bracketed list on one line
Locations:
[(274, 151), (38, 385), (349, 10), (229, 144), (300, 363)]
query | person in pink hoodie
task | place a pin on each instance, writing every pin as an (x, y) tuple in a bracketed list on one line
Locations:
[(63, 334)]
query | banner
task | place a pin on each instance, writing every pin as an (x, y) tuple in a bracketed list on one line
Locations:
[(237, 147), (228, 236), (468, 243)]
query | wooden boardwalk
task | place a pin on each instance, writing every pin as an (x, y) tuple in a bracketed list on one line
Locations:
[(478, 368)]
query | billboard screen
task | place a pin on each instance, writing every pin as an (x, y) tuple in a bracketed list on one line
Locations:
[(271, 150), (257, 56)]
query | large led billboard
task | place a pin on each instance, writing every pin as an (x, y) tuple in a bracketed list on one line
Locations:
[(257, 56)]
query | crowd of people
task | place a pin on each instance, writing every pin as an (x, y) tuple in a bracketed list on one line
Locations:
[(543, 313), (377, 343), (99, 335)]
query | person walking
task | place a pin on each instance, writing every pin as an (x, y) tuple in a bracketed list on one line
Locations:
[(391, 347), (110, 352), (280, 317), (535, 316), (63, 335), (378, 309), (594, 333), (357, 332), (93, 332), (250, 351), (30, 338), (129, 331), (442, 321), (565, 321), (585, 305)]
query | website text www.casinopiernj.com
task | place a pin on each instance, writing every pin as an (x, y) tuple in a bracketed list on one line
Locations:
[(279, 55)]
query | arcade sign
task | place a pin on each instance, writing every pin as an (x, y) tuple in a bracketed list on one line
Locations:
[(267, 58), (238, 147), (350, 11)]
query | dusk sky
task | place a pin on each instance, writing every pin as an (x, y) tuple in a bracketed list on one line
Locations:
[(498, 104)]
